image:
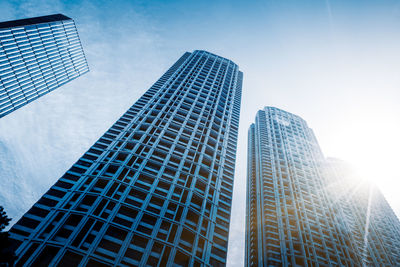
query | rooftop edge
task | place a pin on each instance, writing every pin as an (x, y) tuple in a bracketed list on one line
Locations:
[(32, 21)]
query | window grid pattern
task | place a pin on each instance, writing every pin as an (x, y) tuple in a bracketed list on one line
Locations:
[(375, 228), (290, 220), (36, 59), (156, 188)]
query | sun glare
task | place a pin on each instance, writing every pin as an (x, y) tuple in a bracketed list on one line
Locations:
[(371, 144)]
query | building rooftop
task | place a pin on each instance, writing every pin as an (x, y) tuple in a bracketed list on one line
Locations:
[(31, 21)]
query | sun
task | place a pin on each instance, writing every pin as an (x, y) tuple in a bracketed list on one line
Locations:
[(370, 142)]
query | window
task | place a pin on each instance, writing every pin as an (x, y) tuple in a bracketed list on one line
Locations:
[(181, 259)]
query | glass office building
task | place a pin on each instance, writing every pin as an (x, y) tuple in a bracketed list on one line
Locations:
[(301, 208), (289, 218), (156, 188), (37, 55), (375, 228)]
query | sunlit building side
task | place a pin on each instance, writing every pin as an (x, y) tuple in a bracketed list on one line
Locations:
[(289, 219), (156, 188), (374, 226)]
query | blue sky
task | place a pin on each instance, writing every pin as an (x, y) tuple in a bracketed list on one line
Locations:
[(334, 63)]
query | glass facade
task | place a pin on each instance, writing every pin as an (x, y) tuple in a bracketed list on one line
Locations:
[(301, 208), (289, 218), (375, 228), (37, 55), (156, 188)]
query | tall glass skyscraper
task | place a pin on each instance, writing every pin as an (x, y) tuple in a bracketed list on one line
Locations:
[(295, 216), (156, 188), (37, 55), (289, 219)]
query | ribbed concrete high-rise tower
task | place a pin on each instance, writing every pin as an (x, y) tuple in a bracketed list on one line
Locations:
[(156, 188), (37, 55), (289, 219), (297, 214), (375, 228)]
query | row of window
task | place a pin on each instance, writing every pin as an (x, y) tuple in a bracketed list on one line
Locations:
[(155, 178)]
